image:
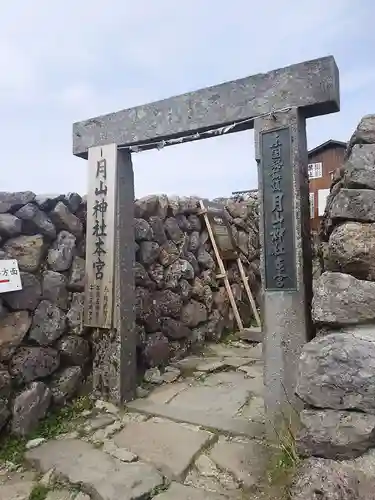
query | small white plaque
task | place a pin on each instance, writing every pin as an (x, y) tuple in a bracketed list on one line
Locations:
[(10, 279)]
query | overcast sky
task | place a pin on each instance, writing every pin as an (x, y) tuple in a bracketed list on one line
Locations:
[(63, 61)]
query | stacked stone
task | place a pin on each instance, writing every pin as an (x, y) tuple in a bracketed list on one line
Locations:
[(179, 300), (337, 369), (44, 351)]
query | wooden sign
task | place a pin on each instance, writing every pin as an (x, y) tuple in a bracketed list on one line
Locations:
[(10, 279), (100, 237), (221, 229)]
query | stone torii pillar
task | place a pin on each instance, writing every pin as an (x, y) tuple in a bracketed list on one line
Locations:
[(277, 104)]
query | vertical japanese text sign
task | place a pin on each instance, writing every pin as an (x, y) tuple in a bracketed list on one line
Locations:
[(278, 211), (100, 236)]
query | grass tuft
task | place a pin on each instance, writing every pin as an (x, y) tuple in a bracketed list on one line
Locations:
[(12, 448), (39, 492)]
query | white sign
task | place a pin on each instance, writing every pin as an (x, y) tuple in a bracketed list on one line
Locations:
[(100, 238), (10, 279)]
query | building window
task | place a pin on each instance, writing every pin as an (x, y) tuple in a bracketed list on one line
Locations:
[(315, 170), (312, 205), (322, 201)]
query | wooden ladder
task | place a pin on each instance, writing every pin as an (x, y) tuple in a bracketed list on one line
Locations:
[(253, 334)]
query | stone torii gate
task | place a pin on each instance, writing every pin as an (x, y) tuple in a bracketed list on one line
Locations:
[(276, 105)]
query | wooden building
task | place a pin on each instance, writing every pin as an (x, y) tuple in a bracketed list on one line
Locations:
[(323, 161)]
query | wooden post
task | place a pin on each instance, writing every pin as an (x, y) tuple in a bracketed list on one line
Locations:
[(109, 298)]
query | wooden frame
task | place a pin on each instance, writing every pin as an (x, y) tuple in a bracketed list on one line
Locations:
[(253, 334)]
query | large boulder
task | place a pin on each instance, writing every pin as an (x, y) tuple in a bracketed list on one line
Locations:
[(321, 479), (48, 324), (35, 220), (61, 254), (10, 225), (28, 297), (74, 350), (27, 250), (65, 384), (54, 288), (351, 249), (31, 363), (77, 274), (335, 434), (29, 407), (11, 202), (341, 299), (156, 350), (337, 371), (354, 204), (193, 313), (64, 220), (13, 328)]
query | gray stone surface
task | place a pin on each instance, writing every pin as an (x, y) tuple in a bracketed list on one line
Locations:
[(30, 363), (341, 299), (13, 328), (65, 383), (223, 423), (10, 225), (10, 202), (354, 204), (27, 250), (313, 85), (29, 407), (28, 297), (351, 250), (60, 255), (64, 220), (245, 459), (77, 275), (364, 133), (338, 372), (155, 441), (98, 474), (335, 434), (16, 490), (325, 479), (36, 221), (286, 318), (54, 289), (181, 492), (48, 324), (74, 350)]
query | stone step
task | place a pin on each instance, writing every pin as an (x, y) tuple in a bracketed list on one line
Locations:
[(97, 473), (236, 426), (252, 334)]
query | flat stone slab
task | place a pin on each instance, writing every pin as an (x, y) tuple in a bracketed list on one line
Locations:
[(179, 492), (16, 490), (171, 447), (237, 426), (164, 394), (228, 351), (98, 474), (246, 460)]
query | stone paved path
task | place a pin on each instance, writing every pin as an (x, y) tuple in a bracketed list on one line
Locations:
[(197, 436)]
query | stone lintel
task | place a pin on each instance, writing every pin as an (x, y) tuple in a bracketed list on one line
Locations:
[(313, 86)]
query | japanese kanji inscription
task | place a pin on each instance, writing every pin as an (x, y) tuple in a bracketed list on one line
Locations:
[(279, 238), (101, 205)]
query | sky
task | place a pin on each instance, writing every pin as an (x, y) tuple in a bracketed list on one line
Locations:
[(64, 61)]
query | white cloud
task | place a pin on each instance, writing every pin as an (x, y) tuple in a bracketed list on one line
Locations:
[(64, 61)]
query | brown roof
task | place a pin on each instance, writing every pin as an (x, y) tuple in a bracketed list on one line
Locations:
[(331, 143)]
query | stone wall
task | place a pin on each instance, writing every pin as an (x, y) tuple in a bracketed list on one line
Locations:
[(336, 378), (46, 353), (179, 300)]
